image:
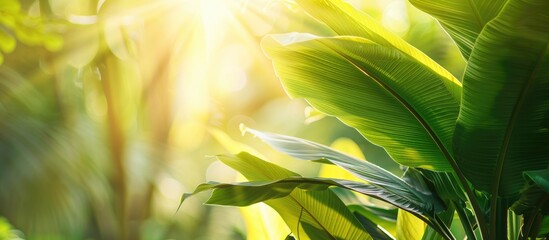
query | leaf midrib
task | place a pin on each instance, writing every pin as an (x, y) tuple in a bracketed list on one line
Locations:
[(513, 121), (469, 192), (298, 203), (310, 214), (334, 183), (318, 222), (338, 158), (394, 192), (478, 17), (291, 196), (364, 165), (394, 45), (403, 102), (507, 139)]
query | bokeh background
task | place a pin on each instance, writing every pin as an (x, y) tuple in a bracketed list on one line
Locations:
[(111, 109)]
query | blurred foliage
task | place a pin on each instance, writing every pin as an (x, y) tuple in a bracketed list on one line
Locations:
[(17, 25), (108, 108), (8, 232)]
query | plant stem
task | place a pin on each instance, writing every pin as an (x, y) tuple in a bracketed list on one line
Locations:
[(465, 222), (498, 217), (437, 224), (444, 228), (479, 214)]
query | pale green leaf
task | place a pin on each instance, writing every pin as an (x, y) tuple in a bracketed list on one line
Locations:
[(346, 20), (409, 227), (311, 214), (247, 193), (262, 222), (347, 146), (393, 189)]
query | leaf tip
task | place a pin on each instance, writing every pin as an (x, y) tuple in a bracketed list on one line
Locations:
[(183, 198)]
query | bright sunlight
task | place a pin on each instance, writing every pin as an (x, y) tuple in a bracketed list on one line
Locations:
[(116, 116)]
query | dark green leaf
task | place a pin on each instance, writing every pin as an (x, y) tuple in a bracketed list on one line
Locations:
[(533, 203), (462, 19), (446, 185), (372, 228), (385, 218), (446, 217), (539, 177), (544, 229), (503, 126)]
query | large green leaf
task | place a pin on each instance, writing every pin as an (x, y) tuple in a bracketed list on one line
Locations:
[(309, 214), (392, 99), (346, 20), (393, 189), (247, 193), (503, 126), (462, 19)]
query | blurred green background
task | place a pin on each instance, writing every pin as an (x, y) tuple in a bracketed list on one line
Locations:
[(110, 110)]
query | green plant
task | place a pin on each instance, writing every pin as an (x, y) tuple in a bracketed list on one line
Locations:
[(478, 150)]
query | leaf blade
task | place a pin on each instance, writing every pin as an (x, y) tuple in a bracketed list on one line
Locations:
[(502, 129), (346, 20), (385, 95), (374, 175), (324, 215)]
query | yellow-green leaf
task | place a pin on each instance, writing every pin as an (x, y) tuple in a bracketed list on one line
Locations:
[(392, 99)]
